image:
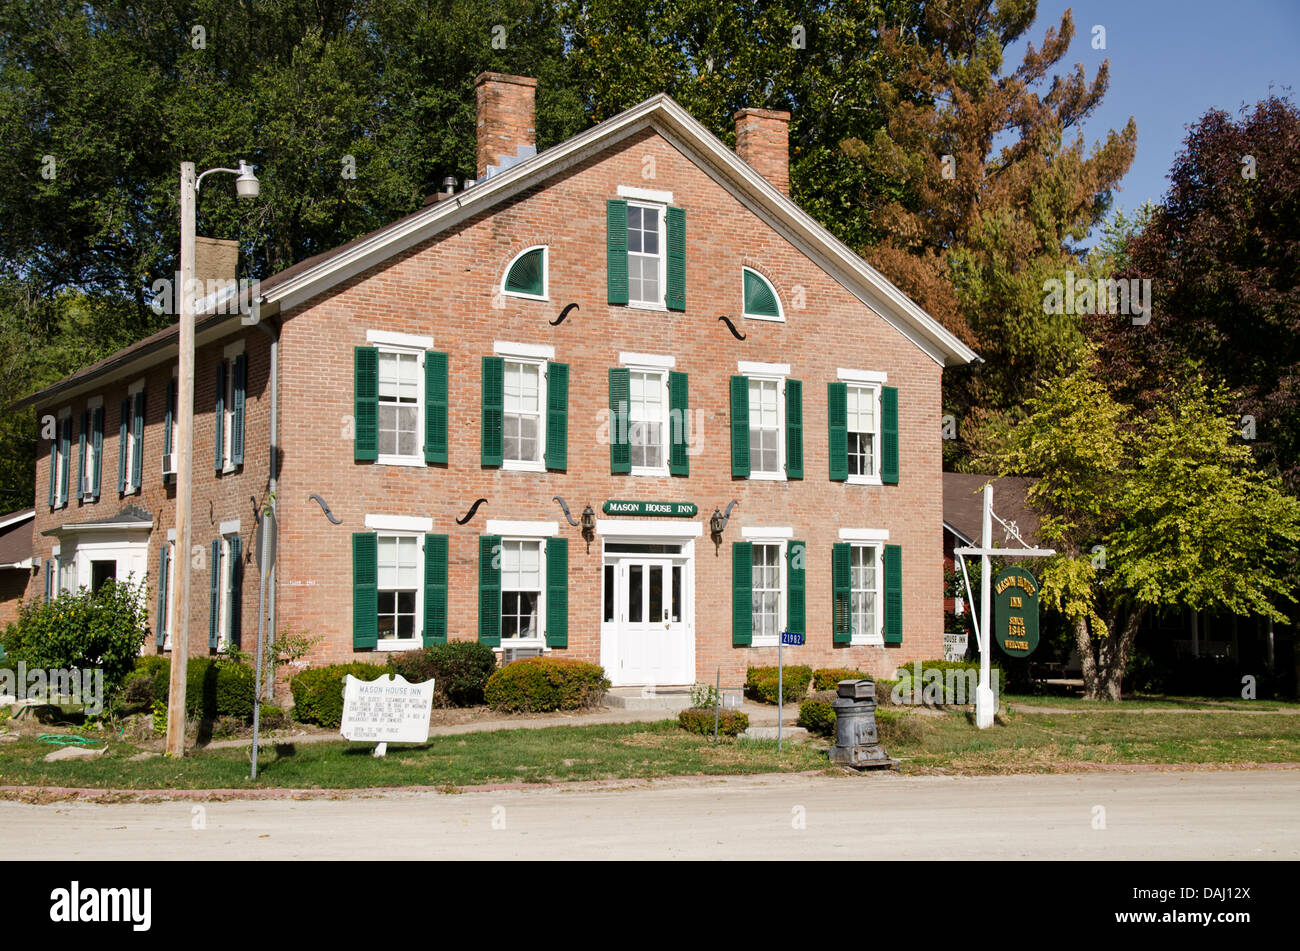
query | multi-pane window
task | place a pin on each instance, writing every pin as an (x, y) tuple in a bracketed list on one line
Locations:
[(766, 587), (646, 419), (399, 586), (521, 589), (764, 426), (644, 254), (399, 404), (522, 439), (862, 429), (864, 584), (63, 458)]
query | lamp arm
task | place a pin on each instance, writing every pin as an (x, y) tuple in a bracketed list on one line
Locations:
[(726, 516), (232, 171)]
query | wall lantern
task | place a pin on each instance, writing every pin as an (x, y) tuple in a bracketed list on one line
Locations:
[(588, 525), (718, 523)]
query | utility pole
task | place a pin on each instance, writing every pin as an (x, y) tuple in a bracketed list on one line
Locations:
[(984, 701), (184, 469)]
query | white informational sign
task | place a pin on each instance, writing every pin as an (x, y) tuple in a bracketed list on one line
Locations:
[(954, 646), (387, 710)]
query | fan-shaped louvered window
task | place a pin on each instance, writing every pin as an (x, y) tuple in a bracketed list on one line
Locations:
[(526, 275), (760, 297)]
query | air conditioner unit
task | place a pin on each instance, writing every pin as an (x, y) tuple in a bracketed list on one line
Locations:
[(512, 654), (168, 464)]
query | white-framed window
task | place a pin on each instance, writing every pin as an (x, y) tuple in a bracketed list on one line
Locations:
[(401, 601), (766, 428), (227, 421), (864, 431), (133, 446), (648, 421), (95, 403), (401, 406), (768, 588), (866, 573), (167, 621), (523, 424), (647, 258), (761, 301), (63, 457), (528, 275), (523, 591)]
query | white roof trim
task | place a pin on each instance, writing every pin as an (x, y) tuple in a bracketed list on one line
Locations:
[(645, 528), (720, 162), (18, 517)]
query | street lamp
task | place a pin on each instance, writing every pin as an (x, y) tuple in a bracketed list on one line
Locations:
[(246, 186)]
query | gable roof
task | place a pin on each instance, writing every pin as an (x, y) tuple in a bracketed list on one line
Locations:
[(16, 538), (316, 275), (963, 506)]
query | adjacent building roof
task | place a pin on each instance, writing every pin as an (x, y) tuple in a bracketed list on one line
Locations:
[(16, 539), (129, 516), (963, 507), (315, 275)]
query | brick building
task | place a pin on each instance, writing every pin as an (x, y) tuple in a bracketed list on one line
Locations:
[(638, 324)]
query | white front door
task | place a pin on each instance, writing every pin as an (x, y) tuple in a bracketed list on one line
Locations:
[(648, 623)]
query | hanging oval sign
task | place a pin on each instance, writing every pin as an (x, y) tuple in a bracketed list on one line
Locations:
[(1015, 611)]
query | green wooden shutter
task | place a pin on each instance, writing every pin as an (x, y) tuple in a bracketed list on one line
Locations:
[(49, 578), (122, 446), (742, 594), (620, 402), (219, 420), (557, 592), (493, 411), (796, 613), (365, 404), (679, 460), (889, 435), (239, 390), (837, 412), (675, 296), (168, 418), (793, 429), (893, 594), (557, 416), (841, 593), (81, 455), (214, 596), (435, 407), (489, 590), (98, 443), (740, 426), (365, 590), (160, 633), (65, 450), (137, 458), (54, 468), (435, 590), (236, 602), (616, 250)]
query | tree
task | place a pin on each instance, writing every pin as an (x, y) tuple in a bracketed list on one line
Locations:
[(1146, 512), (1222, 253), (993, 188)]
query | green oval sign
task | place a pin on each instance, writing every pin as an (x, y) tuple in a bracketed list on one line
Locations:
[(1015, 611)]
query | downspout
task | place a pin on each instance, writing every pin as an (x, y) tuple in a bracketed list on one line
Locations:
[(272, 482)]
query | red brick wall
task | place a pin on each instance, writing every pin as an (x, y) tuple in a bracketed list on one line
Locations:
[(13, 587), (445, 288)]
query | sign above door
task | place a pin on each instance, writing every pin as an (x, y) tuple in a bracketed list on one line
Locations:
[(669, 509)]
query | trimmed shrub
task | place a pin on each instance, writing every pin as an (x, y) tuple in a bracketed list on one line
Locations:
[(318, 691), (215, 687), (459, 670), (816, 715), (272, 717), (761, 683), (827, 678), (543, 684), (885, 692), (731, 722)]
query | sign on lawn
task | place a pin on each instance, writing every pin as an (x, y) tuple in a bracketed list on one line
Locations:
[(387, 710), (1015, 611)]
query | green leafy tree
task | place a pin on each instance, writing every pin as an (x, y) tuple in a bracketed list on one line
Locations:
[(1147, 512)]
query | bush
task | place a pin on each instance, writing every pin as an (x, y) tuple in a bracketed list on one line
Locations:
[(947, 691), (459, 670), (760, 683), (272, 717), (827, 678), (318, 691), (817, 715), (215, 687), (80, 629), (731, 722), (543, 684)]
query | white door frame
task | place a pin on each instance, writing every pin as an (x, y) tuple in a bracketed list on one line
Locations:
[(611, 632)]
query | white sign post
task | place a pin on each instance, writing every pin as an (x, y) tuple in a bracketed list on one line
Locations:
[(985, 702), (387, 710)]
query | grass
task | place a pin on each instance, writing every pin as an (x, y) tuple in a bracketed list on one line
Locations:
[(1143, 702), (1064, 742), (553, 754)]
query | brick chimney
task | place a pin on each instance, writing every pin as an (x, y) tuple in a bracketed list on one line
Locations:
[(763, 140), (506, 125), (215, 259)]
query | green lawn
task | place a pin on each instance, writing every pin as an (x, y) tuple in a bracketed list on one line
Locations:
[(554, 754), (1141, 702), (1061, 742)]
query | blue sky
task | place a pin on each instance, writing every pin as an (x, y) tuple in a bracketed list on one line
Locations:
[(1170, 62)]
